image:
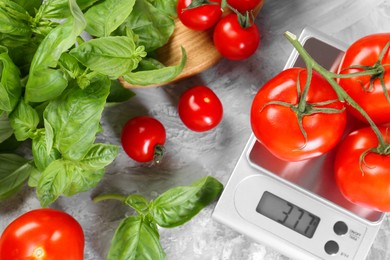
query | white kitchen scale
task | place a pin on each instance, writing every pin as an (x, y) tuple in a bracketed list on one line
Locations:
[(296, 207)]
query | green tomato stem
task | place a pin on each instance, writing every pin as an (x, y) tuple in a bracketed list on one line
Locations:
[(109, 197), (329, 76)]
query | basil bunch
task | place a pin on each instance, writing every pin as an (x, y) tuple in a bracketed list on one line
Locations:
[(54, 84), (137, 237)]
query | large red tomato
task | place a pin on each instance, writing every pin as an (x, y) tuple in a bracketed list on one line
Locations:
[(43, 234), (366, 52), (364, 181), (275, 117)]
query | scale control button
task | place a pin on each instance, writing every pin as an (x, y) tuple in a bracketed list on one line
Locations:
[(331, 247), (340, 228)]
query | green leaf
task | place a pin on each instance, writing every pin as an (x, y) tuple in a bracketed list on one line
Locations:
[(153, 27), (166, 6), (55, 9), (14, 171), (29, 5), (10, 87), (24, 120), (136, 239), (82, 179), (99, 156), (138, 202), (118, 93), (5, 127), (45, 81), (112, 56), (42, 152), (105, 17), (54, 180), (156, 76), (75, 117), (178, 205), (14, 24)]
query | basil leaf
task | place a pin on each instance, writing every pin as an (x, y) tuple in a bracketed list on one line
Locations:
[(42, 152), (105, 17), (75, 117), (156, 76), (55, 9), (29, 5), (135, 238), (14, 170), (82, 179), (5, 127), (138, 202), (118, 93), (166, 6), (45, 82), (54, 180), (153, 27), (178, 205), (112, 56), (24, 120), (10, 87), (99, 156)]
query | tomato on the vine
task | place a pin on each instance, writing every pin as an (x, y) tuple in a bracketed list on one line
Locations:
[(370, 92), (363, 175), (294, 128), (43, 234), (244, 5), (143, 139), (234, 40), (200, 109), (199, 15)]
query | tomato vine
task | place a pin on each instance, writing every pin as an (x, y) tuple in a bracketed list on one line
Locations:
[(375, 71)]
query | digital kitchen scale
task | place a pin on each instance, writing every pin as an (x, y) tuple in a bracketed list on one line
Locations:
[(296, 207)]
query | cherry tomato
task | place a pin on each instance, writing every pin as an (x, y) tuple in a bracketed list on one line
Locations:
[(366, 52), (365, 183), (143, 138), (274, 116), (200, 109), (234, 41), (244, 5), (202, 17), (43, 234)]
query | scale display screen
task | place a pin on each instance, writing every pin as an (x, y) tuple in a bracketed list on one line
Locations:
[(288, 214)]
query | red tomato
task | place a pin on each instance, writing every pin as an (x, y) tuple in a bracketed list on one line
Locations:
[(233, 41), (43, 234), (201, 17), (366, 51), (143, 138), (200, 109), (244, 5), (276, 126), (370, 188)]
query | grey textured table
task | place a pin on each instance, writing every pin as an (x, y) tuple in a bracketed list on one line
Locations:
[(193, 155)]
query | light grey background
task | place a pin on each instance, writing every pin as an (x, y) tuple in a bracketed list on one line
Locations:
[(193, 155)]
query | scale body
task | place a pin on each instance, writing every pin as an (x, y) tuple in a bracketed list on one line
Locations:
[(296, 207)]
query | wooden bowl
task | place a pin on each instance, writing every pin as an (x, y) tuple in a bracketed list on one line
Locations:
[(199, 46)]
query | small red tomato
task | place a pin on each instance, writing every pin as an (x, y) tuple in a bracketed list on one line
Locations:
[(200, 17), (200, 109), (364, 181), (233, 41), (43, 234), (244, 5), (143, 139)]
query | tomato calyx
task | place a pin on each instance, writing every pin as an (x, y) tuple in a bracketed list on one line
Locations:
[(159, 151), (375, 72), (197, 3)]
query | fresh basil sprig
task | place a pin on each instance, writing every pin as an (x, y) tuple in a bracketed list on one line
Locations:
[(137, 237), (55, 83)]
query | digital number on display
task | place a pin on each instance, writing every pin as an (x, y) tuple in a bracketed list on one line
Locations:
[(288, 214)]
